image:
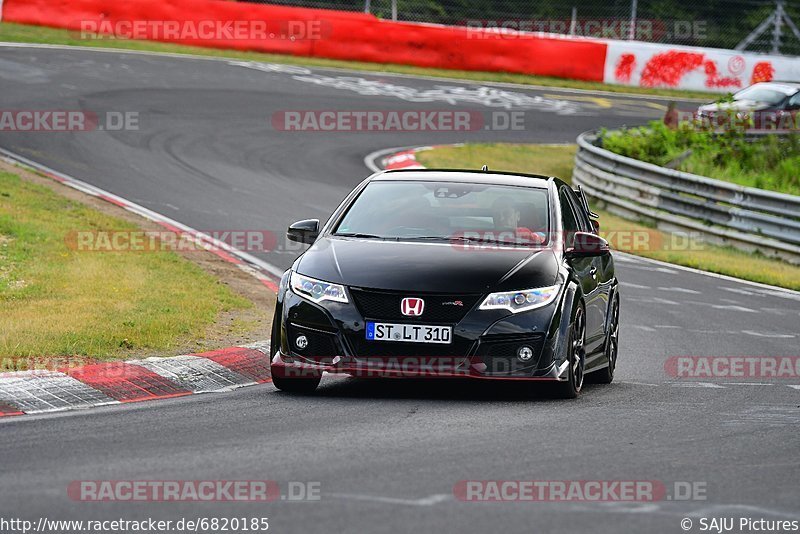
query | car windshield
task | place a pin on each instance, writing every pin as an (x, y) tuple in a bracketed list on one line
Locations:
[(446, 211), (760, 94)]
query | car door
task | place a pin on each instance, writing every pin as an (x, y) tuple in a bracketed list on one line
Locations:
[(585, 269), (604, 263)]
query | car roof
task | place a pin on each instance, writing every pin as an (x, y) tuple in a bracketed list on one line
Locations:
[(782, 86), (467, 176)]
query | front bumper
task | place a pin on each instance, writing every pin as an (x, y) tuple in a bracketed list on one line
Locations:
[(484, 346), (288, 367)]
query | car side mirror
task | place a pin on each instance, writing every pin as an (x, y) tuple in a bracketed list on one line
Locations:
[(586, 244), (305, 231)]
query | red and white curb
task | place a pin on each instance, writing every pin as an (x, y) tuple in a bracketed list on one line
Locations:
[(399, 158), (266, 273), (404, 160), (102, 384)]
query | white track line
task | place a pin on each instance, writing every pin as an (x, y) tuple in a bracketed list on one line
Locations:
[(430, 500), (713, 275)]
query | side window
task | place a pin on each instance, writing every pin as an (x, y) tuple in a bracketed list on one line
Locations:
[(569, 221), (794, 102)]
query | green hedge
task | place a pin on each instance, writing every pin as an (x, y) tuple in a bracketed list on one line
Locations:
[(771, 162)]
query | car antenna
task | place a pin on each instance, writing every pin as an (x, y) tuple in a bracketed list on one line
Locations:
[(485, 168)]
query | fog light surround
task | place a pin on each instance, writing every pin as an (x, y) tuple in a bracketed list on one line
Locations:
[(524, 353)]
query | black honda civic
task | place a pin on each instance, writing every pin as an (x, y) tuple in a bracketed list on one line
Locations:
[(450, 273)]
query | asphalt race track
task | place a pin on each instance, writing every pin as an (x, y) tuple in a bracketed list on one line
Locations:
[(387, 454)]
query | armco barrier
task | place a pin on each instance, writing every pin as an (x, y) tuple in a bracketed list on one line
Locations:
[(341, 35), (744, 217)]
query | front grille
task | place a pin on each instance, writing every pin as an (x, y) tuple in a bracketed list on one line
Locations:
[(396, 349), (500, 355), (438, 308), (322, 346), (417, 357)]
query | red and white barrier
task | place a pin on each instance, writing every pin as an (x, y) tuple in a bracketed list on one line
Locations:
[(703, 69), (363, 37), (323, 33)]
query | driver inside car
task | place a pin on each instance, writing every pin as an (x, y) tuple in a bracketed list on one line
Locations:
[(506, 216)]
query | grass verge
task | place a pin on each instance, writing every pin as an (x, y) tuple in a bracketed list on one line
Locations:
[(58, 301), (21, 33), (557, 160)]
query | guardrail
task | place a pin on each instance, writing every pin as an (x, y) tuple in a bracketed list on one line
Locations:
[(744, 217)]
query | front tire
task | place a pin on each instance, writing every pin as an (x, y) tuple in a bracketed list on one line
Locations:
[(606, 375), (289, 384), (574, 348)]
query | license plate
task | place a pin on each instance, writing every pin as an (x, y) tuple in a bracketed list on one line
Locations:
[(411, 333)]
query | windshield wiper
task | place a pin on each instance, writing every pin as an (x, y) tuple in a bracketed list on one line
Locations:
[(465, 239), (360, 235)]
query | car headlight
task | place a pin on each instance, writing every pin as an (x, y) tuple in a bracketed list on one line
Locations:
[(317, 290), (520, 301)]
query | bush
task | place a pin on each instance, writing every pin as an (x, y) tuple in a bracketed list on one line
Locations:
[(772, 162)]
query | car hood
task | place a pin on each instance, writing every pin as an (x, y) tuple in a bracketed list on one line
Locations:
[(736, 105), (428, 267)]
